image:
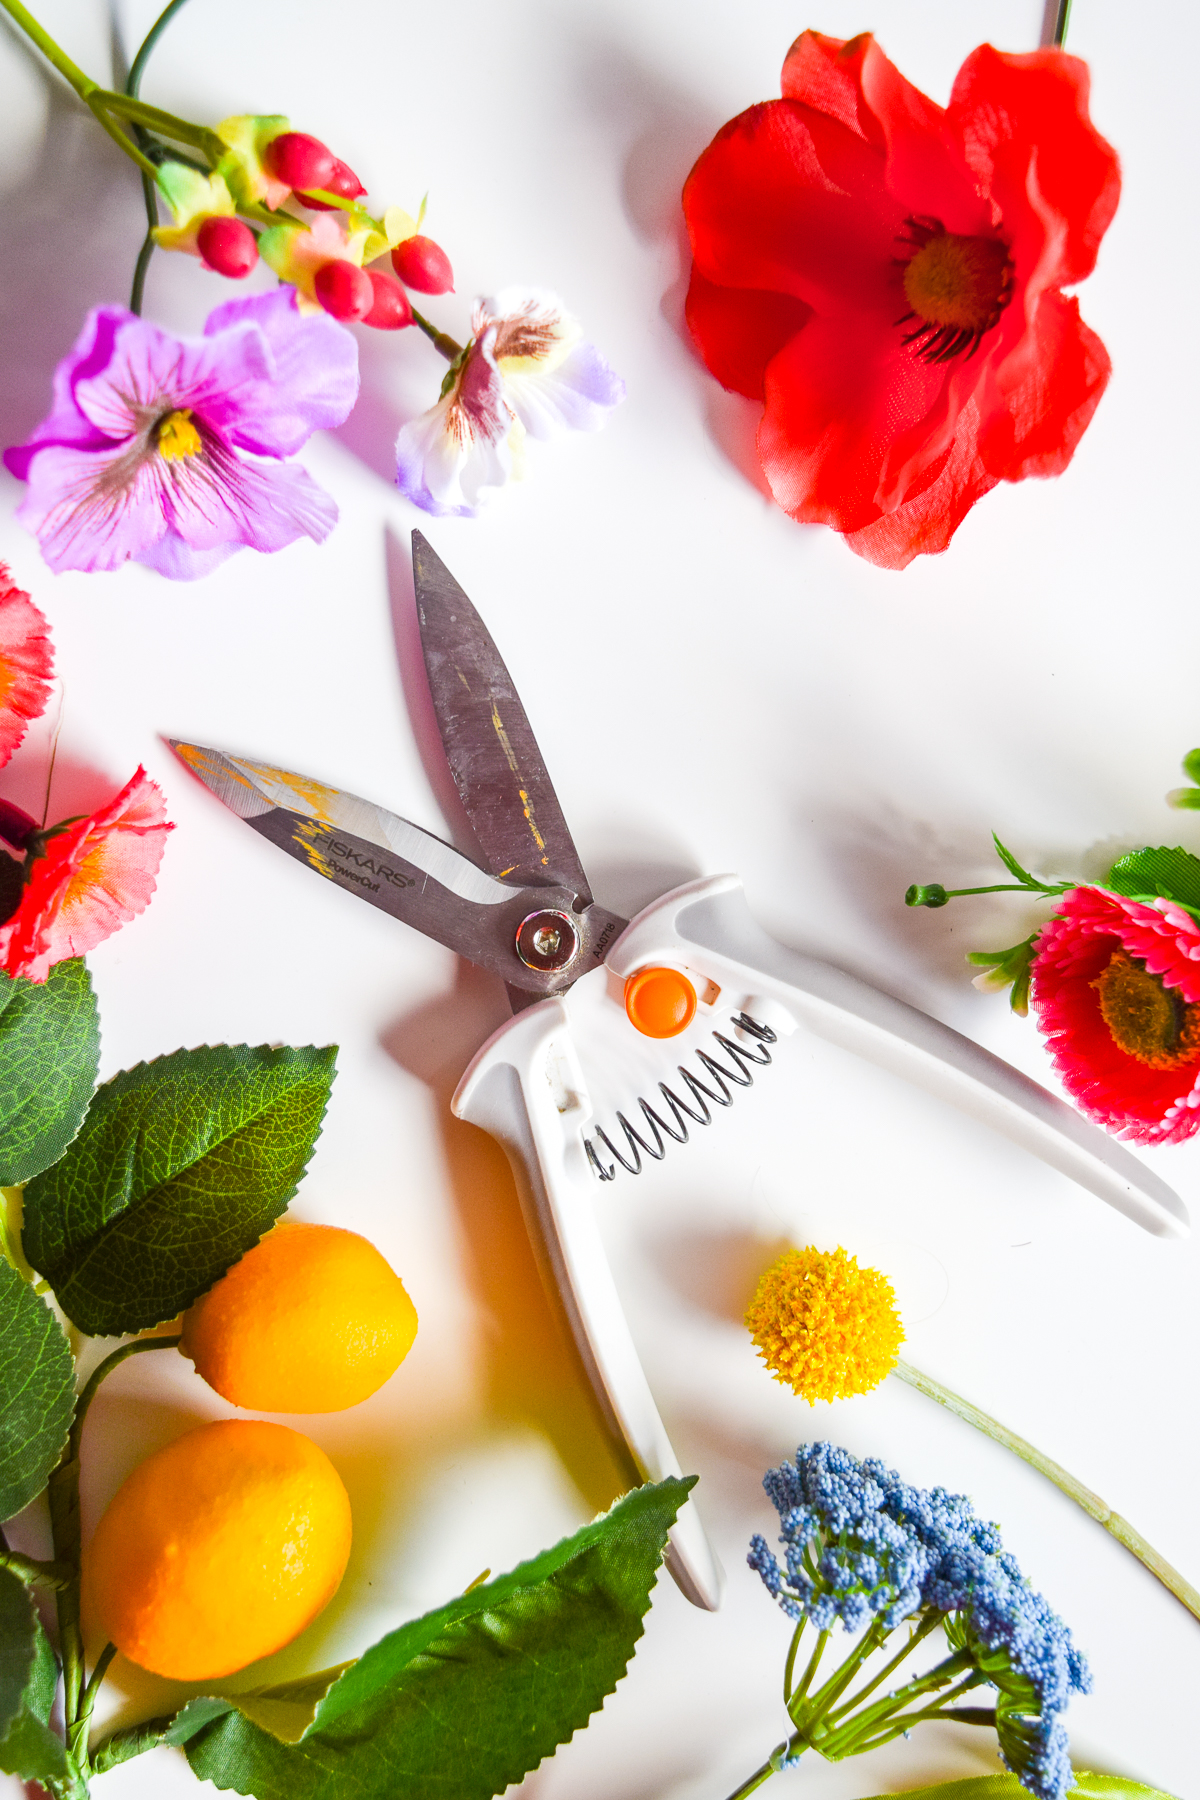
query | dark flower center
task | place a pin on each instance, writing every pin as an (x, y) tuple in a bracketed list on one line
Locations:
[(1147, 1020), (956, 288)]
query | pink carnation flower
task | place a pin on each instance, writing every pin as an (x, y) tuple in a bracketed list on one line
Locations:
[(89, 879), (152, 449), (26, 663), (1116, 990)]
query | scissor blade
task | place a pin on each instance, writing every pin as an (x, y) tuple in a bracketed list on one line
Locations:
[(493, 755), (392, 864)]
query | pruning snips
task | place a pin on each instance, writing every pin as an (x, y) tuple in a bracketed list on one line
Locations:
[(627, 1035)]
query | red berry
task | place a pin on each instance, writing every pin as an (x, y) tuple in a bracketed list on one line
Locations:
[(343, 181), (424, 265), (299, 160), (391, 310), (228, 246), (344, 289)]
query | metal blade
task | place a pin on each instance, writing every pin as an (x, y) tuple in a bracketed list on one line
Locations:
[(407, 872), (493, 755)]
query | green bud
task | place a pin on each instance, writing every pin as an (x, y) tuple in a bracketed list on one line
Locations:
[(1191, 765), (933, 895)]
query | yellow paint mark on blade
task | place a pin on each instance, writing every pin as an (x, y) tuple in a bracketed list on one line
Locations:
[(526, 807)]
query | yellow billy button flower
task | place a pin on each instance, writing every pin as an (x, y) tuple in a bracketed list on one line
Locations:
[(830, 1330), (177, 436), (824, 1327)]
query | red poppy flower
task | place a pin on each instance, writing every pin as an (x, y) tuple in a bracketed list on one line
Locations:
[(886, 276), (90, 878), (1116, 990), (26, 663)]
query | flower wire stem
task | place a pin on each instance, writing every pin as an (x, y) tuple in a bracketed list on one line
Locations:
[(37, 1574), (1091, 1503), (133, 81), (440, 340), (63, 1495)]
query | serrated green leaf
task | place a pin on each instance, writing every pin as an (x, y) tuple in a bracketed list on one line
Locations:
[(486, 1686), (37, 1392), (1157, 873), (28, 1747), (180, 1166), (49, 1054), (1007, 1787)]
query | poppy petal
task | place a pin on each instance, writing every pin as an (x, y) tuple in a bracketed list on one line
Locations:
[(789, 200), (738, 331), (1023, 127)]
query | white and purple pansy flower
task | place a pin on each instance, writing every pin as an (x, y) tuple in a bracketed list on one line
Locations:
[(526, 370), (172, 451)]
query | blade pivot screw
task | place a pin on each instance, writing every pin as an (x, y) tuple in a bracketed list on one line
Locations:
[(547, 940)]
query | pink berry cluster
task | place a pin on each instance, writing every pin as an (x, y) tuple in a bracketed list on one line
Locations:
[(307, 166)]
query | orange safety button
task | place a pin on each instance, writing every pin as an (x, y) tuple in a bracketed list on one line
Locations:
[(660, 1002)]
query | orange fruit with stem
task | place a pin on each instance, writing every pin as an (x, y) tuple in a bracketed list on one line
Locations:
[(217, 1550), (313, 1319)]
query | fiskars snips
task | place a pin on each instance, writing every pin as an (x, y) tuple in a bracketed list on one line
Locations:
[(626, 1034)]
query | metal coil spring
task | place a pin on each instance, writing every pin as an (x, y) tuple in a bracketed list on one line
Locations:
[(722, 1075)]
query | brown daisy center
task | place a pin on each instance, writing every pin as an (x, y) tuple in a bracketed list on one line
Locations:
[(177, 436), (956, 288), (1147, 1020)]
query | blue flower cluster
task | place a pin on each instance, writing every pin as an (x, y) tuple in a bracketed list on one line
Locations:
[(861, 1544)]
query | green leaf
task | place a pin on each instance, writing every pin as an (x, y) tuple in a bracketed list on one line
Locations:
[(483, 1687), (1007, 1787), (37, 1392), (28, 1682), (1157, 873), (17, 1645), (1191, 765), (49, 1053), (180, 1166)]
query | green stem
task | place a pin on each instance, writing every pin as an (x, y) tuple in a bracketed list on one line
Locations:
[(37, 1574), (810, 1671), (840, 1680), (790, 1665), (63, 1495), (1091, 1503), (138, 66), (439, 339), (1062, 20), (101, 102), (790, 1747), (77, 1734), (923, 1630)]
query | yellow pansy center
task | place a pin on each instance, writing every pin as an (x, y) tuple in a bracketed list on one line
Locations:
[(956, 288), (1147, 1020), (177, 436)]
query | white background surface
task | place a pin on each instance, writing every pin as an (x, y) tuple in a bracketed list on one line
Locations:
[(713, 688)]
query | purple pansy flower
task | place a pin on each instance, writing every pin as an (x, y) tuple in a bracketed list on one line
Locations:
[(526, 370), (144, 454)]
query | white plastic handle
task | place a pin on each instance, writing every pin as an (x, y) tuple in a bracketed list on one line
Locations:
[(708, 928), (527, 1087)]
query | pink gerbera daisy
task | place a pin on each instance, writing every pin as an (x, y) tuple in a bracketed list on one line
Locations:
[(1116, 990)]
